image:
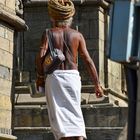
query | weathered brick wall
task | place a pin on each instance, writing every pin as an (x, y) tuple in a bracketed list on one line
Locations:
[(8, 22), (6, 65), (115, 74)]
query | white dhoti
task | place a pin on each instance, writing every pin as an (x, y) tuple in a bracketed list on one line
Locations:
[(63, 92)]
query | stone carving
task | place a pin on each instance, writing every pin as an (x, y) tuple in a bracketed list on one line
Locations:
[(19, 7)]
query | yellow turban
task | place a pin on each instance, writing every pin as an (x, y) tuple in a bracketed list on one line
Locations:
[(61, 9)]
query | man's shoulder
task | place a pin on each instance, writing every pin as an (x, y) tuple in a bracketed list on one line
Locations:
[(76, 32), (70, 31)]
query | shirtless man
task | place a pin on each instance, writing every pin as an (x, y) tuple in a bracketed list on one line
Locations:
[(63, 86)]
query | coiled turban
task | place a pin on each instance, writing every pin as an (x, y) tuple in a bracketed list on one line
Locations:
[(61, 9)]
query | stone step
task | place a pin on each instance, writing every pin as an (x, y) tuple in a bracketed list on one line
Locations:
[(25, 87), (23, 91), (94, 116), (26, 99), (86, 98), (44, 133), (87, 89)]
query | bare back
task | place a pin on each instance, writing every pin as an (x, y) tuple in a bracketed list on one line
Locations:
[(76, 44), (67, 40)]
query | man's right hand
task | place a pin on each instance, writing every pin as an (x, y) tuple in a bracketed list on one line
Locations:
[(40, 82), (99, 91)]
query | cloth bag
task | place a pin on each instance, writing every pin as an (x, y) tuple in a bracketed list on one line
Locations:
[(53, 58)]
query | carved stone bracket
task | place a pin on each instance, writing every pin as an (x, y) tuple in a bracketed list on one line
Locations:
[(19, 7), (12, 19)]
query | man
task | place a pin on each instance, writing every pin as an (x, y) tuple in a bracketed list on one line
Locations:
[(63, 86)]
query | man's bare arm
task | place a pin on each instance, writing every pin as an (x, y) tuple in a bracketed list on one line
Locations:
[(88, 61), (39, 61), (90, 66)]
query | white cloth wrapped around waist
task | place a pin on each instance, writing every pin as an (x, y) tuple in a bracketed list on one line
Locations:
[(63, 93)]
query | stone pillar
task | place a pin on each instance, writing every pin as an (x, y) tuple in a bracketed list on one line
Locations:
[(9, 23), (138, 108)]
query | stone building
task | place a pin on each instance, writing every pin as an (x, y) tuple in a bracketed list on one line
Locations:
[(30, 119), (10, 24)]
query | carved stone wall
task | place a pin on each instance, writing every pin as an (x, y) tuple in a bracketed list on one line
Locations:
[(9, 22)]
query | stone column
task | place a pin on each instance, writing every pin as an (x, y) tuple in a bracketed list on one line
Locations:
[(9, 23), (138, 108)]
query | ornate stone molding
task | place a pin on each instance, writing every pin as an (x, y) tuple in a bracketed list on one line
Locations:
[(7, 137), (19, 7), (103, 3), (5, 134), (12, 19)]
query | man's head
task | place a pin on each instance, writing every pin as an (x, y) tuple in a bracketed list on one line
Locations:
[(61, 11)]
